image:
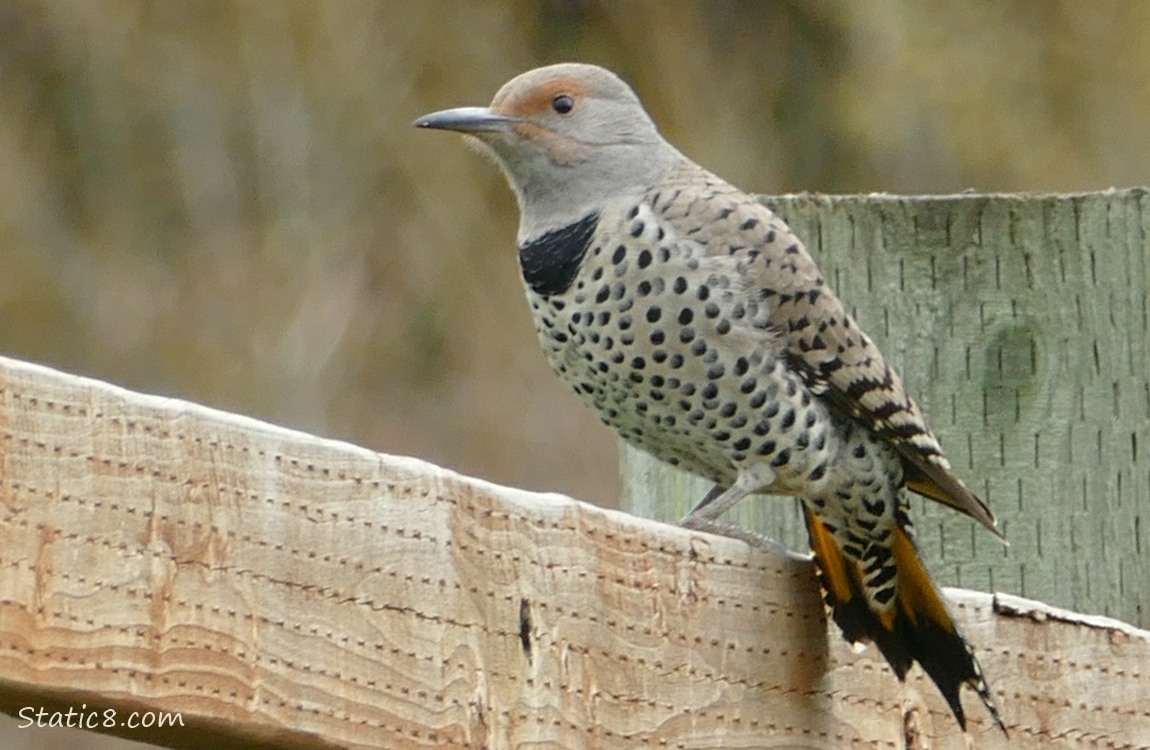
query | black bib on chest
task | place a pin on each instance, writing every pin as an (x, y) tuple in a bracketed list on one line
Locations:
[(550, 262)]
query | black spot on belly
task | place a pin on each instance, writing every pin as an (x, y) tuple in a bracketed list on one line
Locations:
[(550, 262)]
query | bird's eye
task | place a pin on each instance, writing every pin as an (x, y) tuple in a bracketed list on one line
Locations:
[(562, 104)]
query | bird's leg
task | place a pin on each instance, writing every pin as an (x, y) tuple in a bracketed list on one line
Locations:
[(721, 499), (712, 493)]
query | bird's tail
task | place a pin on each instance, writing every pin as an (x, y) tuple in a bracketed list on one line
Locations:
[(915, 626)]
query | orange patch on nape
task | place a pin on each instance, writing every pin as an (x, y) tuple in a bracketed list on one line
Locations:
[(537, 100)]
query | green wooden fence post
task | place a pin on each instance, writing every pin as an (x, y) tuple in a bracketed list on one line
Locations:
[(1019, 322)]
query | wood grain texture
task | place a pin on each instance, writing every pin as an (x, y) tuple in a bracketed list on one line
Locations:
[(1019, 322), (283, 590)]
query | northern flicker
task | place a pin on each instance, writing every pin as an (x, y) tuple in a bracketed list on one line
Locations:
[(692, 319)]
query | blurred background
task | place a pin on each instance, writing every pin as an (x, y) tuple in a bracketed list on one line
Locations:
[(225, 201)]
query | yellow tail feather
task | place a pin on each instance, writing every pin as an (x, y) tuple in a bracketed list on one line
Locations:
[(915, 627), (917, 595)]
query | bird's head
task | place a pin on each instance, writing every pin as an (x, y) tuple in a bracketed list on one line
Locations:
[(568, 137)]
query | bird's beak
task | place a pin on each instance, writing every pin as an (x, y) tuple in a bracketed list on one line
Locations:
[(466, 120)]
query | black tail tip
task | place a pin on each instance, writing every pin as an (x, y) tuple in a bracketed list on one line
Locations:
[(953, 696)]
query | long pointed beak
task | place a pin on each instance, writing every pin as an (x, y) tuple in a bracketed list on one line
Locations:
[(466, 120)]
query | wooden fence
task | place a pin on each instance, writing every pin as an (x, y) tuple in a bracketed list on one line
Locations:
[(276, 589), (281, 590)]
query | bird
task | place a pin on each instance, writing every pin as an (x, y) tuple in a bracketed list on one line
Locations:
[(693, 320)]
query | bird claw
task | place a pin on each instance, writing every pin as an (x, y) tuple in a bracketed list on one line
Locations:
[(751, 538)]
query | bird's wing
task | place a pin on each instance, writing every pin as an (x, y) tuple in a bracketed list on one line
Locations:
[(835, 358)]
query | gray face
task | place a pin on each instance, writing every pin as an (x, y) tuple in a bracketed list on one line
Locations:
[(568, 137)]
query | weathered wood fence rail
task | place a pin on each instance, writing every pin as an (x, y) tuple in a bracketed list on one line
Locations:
[(281, 590)]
